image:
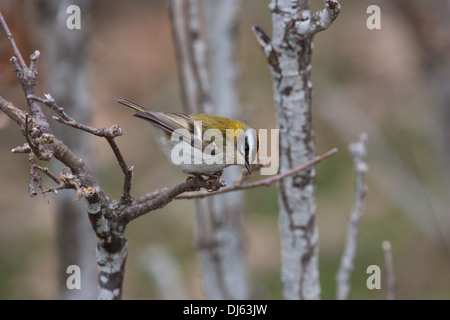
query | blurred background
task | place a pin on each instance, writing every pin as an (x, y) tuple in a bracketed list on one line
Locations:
[(392, 83)]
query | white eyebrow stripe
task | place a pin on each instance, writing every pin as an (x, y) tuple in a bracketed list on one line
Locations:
[(251, 136)]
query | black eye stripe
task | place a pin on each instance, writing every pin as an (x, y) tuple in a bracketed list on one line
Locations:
[(247, 148), (257, 143)]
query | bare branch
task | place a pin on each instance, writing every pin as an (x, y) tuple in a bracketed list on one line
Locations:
[(321, 20), (263, 39), (260, 183), (22, 149), (164, 197), (26, 133), (36, 138), (48, 173), (389, 270), (28, 79), (150, 196), (112, 132), (127, 171), (12, 42), (108, 133), (36, 179), (358, 151), (13, 112), (190, 54)]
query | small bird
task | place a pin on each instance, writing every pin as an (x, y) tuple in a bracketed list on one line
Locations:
[(205, 152)]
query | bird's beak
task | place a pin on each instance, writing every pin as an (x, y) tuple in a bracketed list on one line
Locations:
[(247, 165)]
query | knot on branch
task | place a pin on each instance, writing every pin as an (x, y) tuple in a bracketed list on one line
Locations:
[(45, 146), (27, 75), (113, 131), (215, 184), (90, 194), (25, 148), (40, 142), (69, 178), (333, 7)]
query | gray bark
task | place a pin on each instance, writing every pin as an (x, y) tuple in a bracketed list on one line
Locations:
[(289, 57), (165, 272), (218, 219), (428, 20), (221, 23)]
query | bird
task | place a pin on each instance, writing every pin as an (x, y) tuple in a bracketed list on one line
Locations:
[(201, 144)]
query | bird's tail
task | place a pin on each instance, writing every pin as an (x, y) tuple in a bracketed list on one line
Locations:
[(131, 105)]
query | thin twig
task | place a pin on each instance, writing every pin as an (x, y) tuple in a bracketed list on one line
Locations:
[(359, 151), (26, 132), (12, 42), (127, 171), (31, 187), (111, 132), (25, 148), (48, 173), (28, 79), (260, 183), (35, 179), (389, 270)]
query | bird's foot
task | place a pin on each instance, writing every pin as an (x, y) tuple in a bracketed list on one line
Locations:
[(195, 177), (213, 182)]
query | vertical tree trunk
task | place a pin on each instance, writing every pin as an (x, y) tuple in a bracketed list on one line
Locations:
[(219, 219), (221, 23), (68, 51), (289, 57), (428, 20)]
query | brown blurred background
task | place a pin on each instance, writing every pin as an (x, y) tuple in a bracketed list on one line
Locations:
[(392, 83)]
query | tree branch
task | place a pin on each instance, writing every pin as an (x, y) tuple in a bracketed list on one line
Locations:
[(358, 151), (108, 133), (389, 270), (289, 54), (27, 76), (321, 20), (12, 42), (190, 54), (160, 200), (14, 113), (260, 183), (263, 40)]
